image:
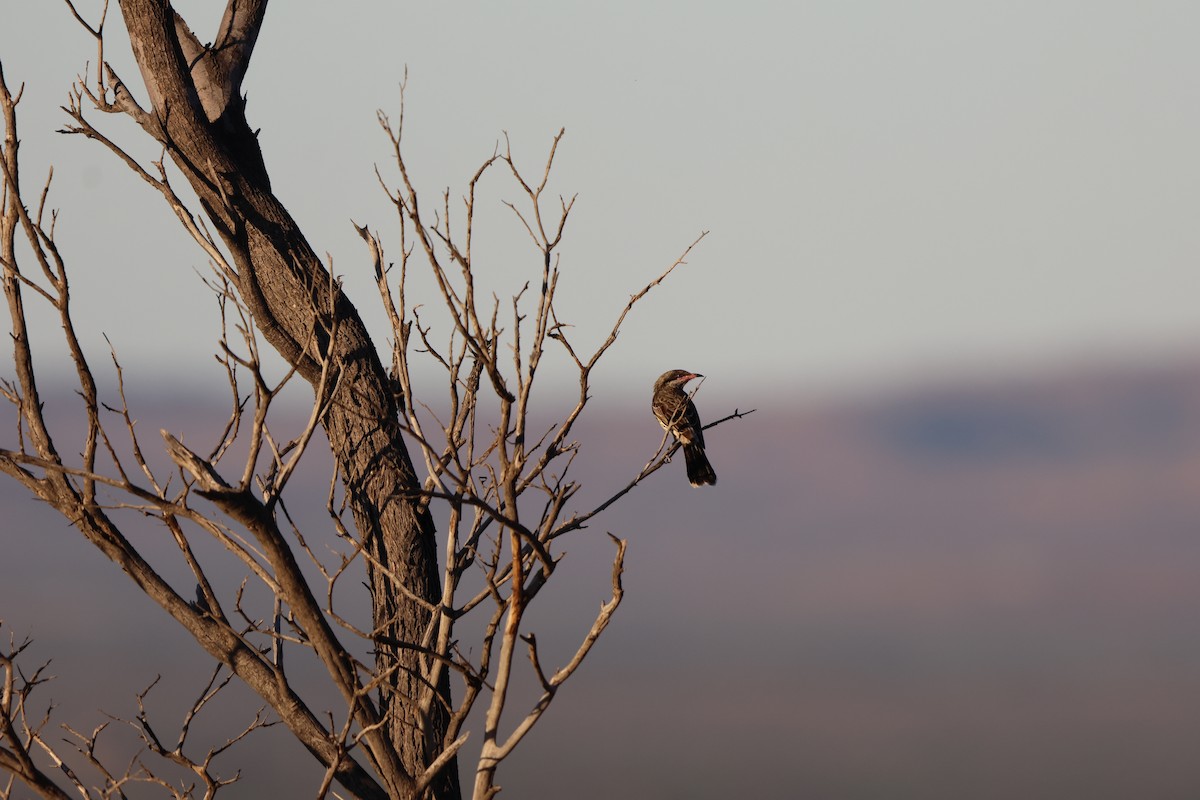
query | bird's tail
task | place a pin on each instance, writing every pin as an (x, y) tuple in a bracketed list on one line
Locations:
[(699, 471)]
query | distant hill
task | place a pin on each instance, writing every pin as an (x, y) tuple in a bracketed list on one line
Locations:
[(983, 590)]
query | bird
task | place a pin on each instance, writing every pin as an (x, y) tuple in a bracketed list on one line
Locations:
[(676, 412)]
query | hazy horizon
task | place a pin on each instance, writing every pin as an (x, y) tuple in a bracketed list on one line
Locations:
[(972, 590)]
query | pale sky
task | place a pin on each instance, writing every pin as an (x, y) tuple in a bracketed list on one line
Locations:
[(892, 189)]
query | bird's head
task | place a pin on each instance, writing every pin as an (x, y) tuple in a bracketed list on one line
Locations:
[(676, 378)]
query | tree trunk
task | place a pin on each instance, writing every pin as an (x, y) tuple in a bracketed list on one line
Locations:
[(198, 115)]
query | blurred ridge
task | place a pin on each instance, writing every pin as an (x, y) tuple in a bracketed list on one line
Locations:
[(984, 589)]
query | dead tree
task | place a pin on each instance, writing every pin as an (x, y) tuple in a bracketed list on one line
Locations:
[(506, 486)]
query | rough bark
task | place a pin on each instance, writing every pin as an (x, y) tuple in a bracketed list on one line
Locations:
[(197, 113)]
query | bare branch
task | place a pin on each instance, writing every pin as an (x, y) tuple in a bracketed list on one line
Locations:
[(499, 471), (17, 731)]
